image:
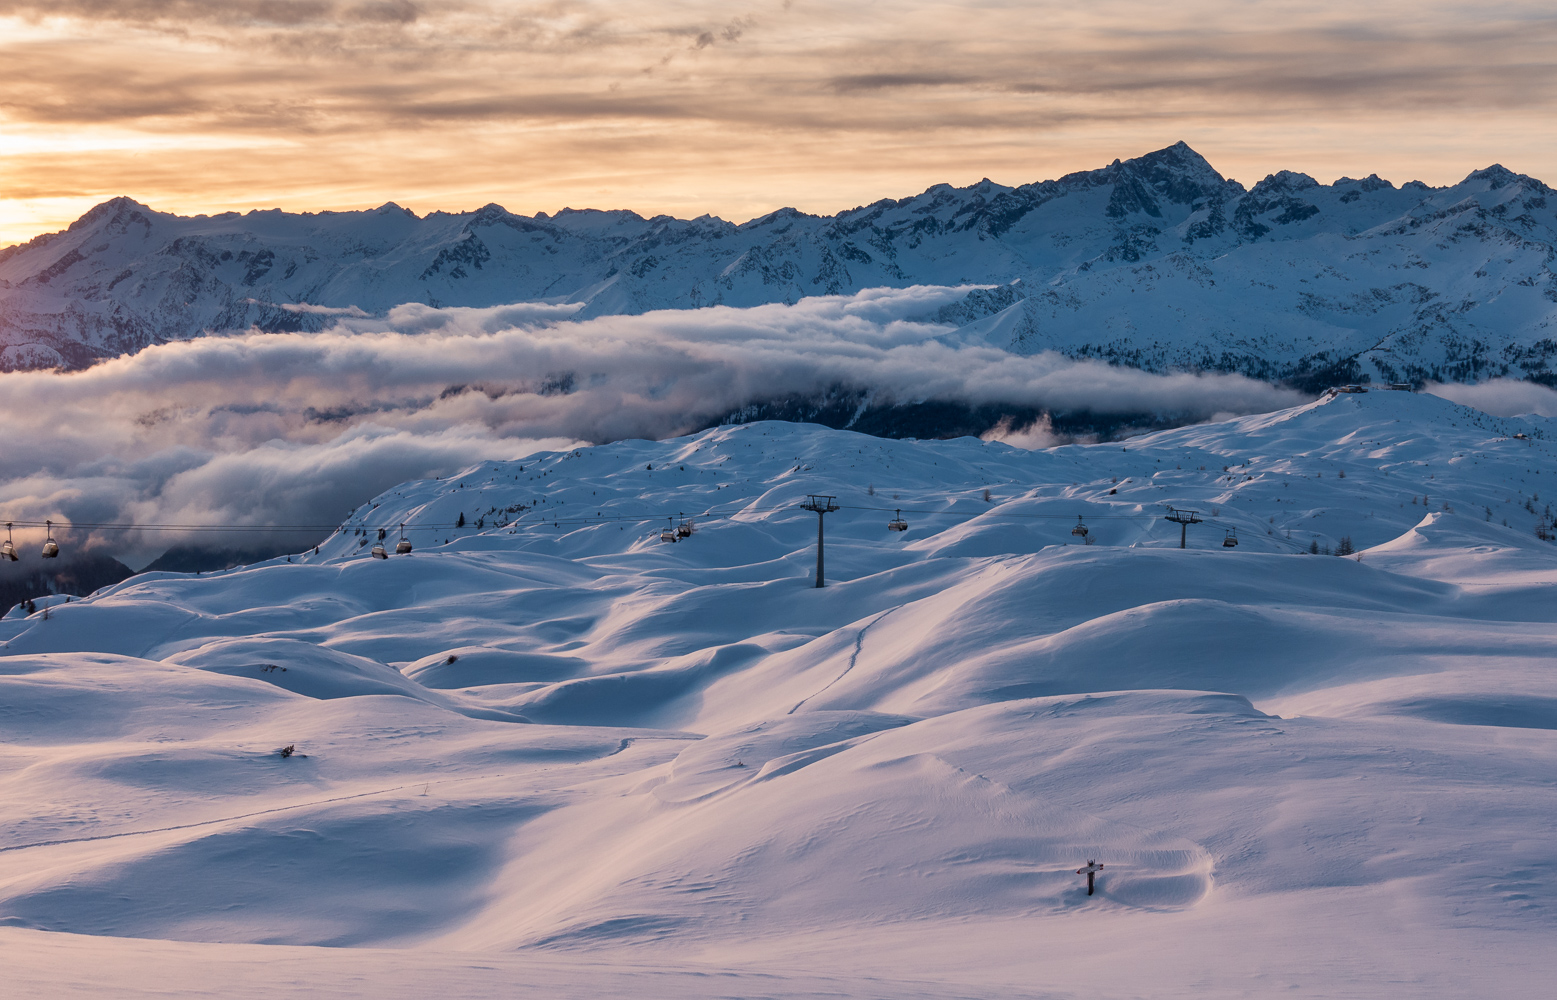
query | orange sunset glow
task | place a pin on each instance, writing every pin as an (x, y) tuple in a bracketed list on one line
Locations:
[(686, 107)]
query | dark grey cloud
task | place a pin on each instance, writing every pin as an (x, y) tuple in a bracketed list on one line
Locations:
[(886, 81), (356, 62), (186, 13)]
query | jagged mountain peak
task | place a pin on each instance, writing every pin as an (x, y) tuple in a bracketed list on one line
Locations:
[(1513, 185), (1370, 183), (1144, 185), (1496, 176), (1156, 261), (1285, 181), (111, 211)]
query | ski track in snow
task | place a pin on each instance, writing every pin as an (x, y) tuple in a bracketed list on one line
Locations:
[(564, 758), (859, 645)]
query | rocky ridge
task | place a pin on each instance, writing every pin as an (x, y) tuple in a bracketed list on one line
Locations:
[(1157, 262)]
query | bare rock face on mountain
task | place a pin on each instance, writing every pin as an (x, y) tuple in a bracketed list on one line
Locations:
[(1157, 262)]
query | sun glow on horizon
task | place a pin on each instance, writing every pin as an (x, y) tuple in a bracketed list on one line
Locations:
[(687, 108)]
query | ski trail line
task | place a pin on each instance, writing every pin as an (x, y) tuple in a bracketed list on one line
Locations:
[(296, 805), (859, 644), (206, 822)]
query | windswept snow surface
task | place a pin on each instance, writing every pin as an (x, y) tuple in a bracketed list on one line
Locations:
[(549, 754)]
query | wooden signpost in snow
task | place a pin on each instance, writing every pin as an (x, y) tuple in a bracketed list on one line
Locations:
[(1091, 873)]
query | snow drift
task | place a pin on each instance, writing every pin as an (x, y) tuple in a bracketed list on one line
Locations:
[(548, 746)]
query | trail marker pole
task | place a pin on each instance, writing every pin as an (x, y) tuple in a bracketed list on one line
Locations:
[(1091, 873), (822, 505), (1183, 518)]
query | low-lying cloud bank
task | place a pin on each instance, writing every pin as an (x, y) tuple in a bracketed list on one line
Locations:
[(1501, 397), (277, 429)]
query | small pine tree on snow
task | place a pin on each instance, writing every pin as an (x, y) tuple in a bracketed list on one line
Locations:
[(1313, 547), (461, 522), (1345, 547)]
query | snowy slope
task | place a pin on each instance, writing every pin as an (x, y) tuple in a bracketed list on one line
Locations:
[(548, 748), (1156, 262)]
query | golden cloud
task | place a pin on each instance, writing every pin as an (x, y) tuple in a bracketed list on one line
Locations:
[(687, 106)]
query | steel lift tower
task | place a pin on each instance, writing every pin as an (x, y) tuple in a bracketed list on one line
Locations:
[(1183, 518), (822, 505)]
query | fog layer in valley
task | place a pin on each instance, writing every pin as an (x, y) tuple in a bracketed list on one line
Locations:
[(296, 429)]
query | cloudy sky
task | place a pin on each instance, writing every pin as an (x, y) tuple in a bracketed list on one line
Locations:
[(685, 106)]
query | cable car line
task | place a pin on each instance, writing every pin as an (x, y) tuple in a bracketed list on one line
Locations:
[(578, 519), (672, 533)]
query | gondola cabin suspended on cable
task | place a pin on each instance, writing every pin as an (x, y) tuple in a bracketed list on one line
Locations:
[(668, 533), (1080, 530), (8, 550), (50, 546), (403, 547), (897, 523), (1231, 541), (684, 529), (378, 551)]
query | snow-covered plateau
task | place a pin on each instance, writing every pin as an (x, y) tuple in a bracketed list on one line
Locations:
[(549, 754), (1156, 262)]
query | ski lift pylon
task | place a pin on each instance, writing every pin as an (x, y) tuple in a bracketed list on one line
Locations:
[(50, 546), (8, 550), (897, 523)]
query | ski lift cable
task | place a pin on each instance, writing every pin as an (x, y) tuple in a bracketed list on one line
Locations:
[(598, 518)]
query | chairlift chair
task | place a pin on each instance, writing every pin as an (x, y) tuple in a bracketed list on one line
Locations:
[(1080, 529), (50, 546), (897, 523), (668, 533), (684, 529), (1231, 541), (378, 552), (403, 547), (8, 550)]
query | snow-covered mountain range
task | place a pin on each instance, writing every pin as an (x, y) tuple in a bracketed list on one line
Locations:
[(1156, 262), (548, 748)]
